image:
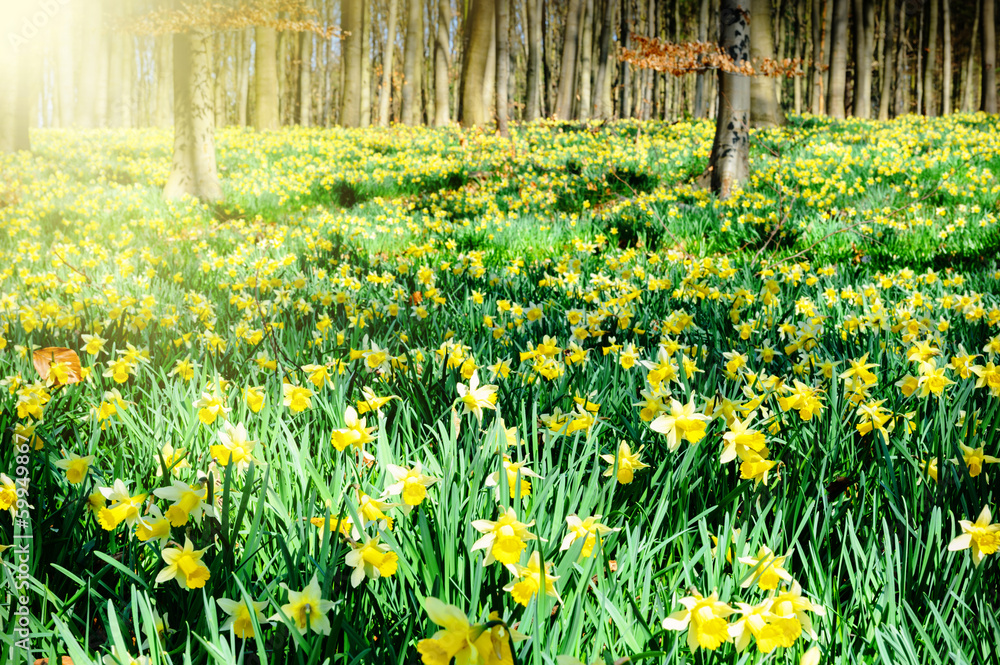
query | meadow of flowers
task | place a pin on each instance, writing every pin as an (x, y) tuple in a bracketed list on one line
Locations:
[(432, 396)]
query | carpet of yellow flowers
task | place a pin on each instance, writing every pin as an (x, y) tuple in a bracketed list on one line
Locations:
[(415, 395)]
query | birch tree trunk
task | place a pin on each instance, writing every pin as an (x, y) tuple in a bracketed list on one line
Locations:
[(838, 60), (818, 94), (305, 79), (266, 78), (350, 41), (243, 78), (193, 171), (366, 65), (385, 92), (764, 110), (988, 101), (413, 54), (442, 63), (930, 103), (162, 109), (730, 160), (567, 71), (888, 65), (480, 28)]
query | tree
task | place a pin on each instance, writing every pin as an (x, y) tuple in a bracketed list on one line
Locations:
[(265, 79), (567, 71), (480, 28), (888, 65), (989, 45), (946, 85), (764, 109), (533, 103), (502, 64), (385, 93), (930, 103), (413, 55), (351, 17), (838, 60), (700, 103), (442, 62), (730, 160), (864, 38)]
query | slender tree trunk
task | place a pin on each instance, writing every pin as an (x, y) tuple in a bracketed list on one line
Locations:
[(730, 159), (128, 81), (305, 78), (352, 15), (115, 81), (818, 94), (385, 91), (586, 51), (625, 80), (800, 38), (243, 78), (701, 78), (480, 27), (490, 78), (838, 60), (918, 72), (266, 78), (533, 103), (968, 96), (66, 79), (88, 65), (930, 102), (366, 65), (567, 71), (888, 66), (902, 80), (864, 28), (413, 54), (162, 109), (989, 81), (764, 110), (11, 74), (502, 65), (442, 63), (946, 69), (193, 171), (606, 110)]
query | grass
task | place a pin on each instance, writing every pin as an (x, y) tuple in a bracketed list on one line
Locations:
[(404, 259)]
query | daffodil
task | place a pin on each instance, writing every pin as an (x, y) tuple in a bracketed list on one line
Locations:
[(504, 539), (627, 462), (768, 569), (123, 508), (370, 559), (234, 447), (296, 398), (188, 501), (981, 536), (185, 566), (589, 529), (704, 619), (75, 466), (528, 580), (682, 423), (475, 398), (514, 471), (411, 484), (307, 609), (241, 615)]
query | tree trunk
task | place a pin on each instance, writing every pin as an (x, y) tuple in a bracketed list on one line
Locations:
[(946, 82), (162, 109), (193, 171), (864, 31), (442, 62), (502, 64), (700, 100), (305, 79), (243, 78), (838, 60), (366, 65), (989, 80), (800, 38), (818, 94), (567, 71), (533, 103), (490, 78), (412, 62), (480, 27), (352, 14), (606, 110), (930, 103), (968, 96), (11, 75), (624, 100), (918, 72), (764, 110), (66, 79), (730, 160), (586, 64), (266, 79), (88, 65), (888, 65), (385, 93), (902, 82)]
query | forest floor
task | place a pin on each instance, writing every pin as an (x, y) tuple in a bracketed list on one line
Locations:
[(398, 375)]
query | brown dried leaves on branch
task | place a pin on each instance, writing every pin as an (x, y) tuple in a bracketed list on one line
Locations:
[(282, 15), (694, 57)]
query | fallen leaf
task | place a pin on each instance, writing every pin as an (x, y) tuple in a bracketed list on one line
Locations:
[(70, 371)]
